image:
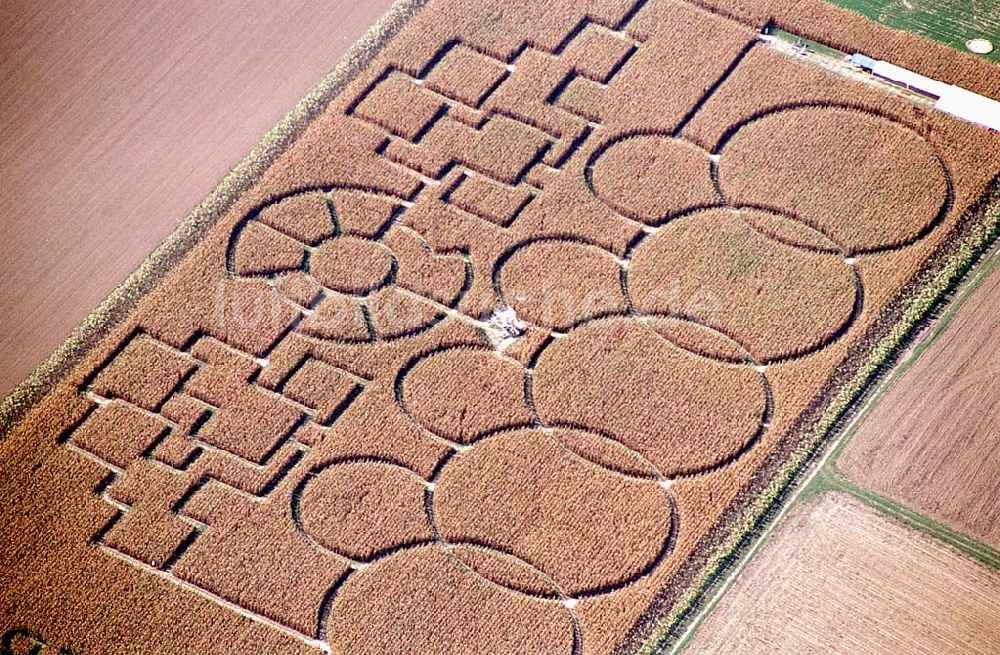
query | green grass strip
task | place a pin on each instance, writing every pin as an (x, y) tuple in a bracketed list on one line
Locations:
[(952, 22)]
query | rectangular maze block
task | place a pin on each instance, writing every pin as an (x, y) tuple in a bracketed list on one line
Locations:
[(145, 372), (250, 424), (465, 75), (177, 451), (597, 53), (119, 432), (401, 106), (497, 203), (582, 97), (223, 369), (430, 163), (255, 480), (149, 530), (504, 149), (149, 534), (326, 390)]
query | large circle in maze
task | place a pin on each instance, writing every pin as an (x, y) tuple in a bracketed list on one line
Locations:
[(866, 182), (623, 378), (423, 600), (649, 177), (767, 282), (588, 528)]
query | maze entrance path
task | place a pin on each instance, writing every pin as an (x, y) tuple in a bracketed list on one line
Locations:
[(311, 436)]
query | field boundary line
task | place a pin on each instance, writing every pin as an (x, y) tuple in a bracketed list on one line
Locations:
[(832, 480)]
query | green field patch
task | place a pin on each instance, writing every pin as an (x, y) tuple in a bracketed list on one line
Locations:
[(952, 22)]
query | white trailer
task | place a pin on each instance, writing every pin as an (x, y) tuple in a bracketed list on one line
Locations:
[(948, 98)]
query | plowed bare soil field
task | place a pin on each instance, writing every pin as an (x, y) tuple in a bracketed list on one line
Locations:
[(839, 577), (116, 119), (930, 441), (311, 435)]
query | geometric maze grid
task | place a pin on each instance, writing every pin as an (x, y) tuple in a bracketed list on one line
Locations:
[(534, 479), (465, 105), (170, 423)]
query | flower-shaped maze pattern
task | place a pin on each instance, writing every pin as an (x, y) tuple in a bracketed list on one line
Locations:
[(344, 262)]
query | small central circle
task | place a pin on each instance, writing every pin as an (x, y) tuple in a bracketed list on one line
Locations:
[(353, 266)]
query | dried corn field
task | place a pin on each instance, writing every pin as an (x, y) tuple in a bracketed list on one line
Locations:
[(318, 432)]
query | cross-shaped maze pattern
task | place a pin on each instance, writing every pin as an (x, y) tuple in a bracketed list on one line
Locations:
[(484, 132), (166, 421), (179, 428)]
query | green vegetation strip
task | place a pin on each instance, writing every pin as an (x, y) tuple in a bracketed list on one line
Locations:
[(952, 22)]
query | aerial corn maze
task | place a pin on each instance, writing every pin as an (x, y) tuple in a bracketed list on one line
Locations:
[(513, 350)]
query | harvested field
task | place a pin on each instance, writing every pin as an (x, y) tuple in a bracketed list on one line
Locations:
[(930, 441), (117, 120), (325, 427), (838, 577)]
